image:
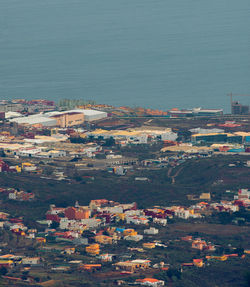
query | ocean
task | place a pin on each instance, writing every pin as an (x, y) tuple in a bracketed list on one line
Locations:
[(159, 54)]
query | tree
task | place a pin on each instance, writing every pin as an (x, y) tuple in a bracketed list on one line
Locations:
[(109, 142), (54, 225), (3, 271)]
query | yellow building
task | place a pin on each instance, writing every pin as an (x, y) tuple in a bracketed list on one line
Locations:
[(149, 245), (120, 216), (93, 249), (134, 265), (205, 195), (103, 239)]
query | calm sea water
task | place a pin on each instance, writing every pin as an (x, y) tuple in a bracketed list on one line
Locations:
[(160, 54)]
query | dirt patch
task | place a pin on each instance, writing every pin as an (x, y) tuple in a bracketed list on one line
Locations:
[(50, 283), (117, 274)]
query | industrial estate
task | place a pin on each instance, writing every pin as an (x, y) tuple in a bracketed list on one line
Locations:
[(97, 195)]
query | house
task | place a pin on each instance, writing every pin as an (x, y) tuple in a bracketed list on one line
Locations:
[(90, 267), (93, 249), (136, 220), (133, 265), (182, 213), (69, 250), (135, 238), (198, 262), (149, 245), (103, 239), (205, 196), (31, 260), (4, 215), (41, 239), (199, 244), (161, 221), (106, 257), (130, 232), (151, 231), (150, 282)]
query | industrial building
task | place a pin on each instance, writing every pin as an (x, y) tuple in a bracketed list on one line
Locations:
[(91, 115), (62, 119), (217, 138), (35, 120), (195, 112), (69, 119), (239, 109)]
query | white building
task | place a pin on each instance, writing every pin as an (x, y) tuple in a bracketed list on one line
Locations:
[(170, 136), (135, 238), (151, 231), (31, 260), (35, 120), (182, 213), (162, 221)]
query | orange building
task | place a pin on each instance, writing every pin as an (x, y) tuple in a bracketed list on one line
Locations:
[(198, 262), (90, 267), (129, 232), (77, 213), (93, 249), (94, 203), (199, 244), (69, 119), (41, 239)]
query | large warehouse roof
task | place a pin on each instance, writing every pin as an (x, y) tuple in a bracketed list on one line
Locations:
[(34, 119)]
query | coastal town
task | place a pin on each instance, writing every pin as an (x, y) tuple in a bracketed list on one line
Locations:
[(123, 196)]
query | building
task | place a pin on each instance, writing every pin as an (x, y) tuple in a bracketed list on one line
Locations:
[(199, 112), (92, 115), (195, 112), (35, 121), (89, 115), (150, 282), (134, 265), (205, 196), (198, 262), (6, 263), (93, 249), (149, 245), (199, 244), (90, 267), (69, 119), (210, 138), (77, 213), (151, 231), (103, 239), (239, 109), (31, 260)]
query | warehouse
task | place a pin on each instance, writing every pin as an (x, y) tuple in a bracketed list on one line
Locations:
[(69, 119), (217, 138), (35, 120), (89, 115), (210, 138)]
